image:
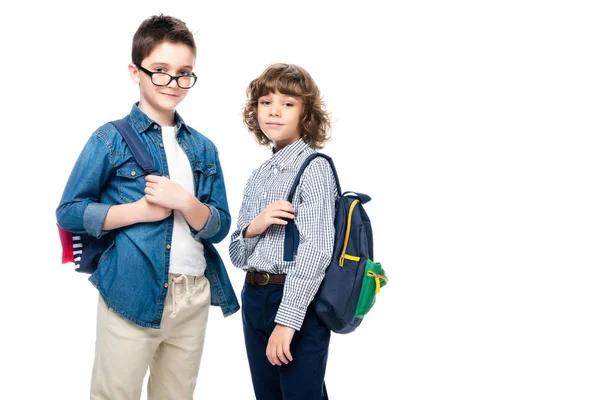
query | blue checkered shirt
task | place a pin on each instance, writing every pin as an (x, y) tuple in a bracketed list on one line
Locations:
[(314, 203)]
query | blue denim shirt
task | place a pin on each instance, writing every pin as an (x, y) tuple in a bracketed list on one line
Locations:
[(132, 273)]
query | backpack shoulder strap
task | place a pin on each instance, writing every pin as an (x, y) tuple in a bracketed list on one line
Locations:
[(140, 153), (292, 236), (303, 167)]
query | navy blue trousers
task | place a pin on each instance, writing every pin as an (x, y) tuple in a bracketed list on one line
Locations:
[(301, 379)]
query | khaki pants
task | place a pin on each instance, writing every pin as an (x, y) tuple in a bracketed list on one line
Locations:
[(124, 351)]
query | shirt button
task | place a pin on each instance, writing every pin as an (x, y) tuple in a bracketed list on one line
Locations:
[(275, 171), (166, 285), (161, 145), (168, 246), (155, 126), (132, 173)]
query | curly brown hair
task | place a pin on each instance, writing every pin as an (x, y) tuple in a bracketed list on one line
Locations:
[(291, 80)]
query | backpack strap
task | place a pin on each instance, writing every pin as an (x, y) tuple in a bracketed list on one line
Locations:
[(292, 236), (140, 153), (303, 167), (364, 198)]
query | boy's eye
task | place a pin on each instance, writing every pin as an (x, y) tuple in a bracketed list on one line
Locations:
[(159, 70), (265, 102), (184, 73), (289, 104)]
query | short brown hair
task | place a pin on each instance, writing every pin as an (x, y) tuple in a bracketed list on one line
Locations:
[(290, 80), (157, 29)]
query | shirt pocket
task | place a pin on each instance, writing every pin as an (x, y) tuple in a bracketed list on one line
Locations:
[(204, 176), (131, 182)]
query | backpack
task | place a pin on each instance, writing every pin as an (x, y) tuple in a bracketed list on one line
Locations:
[(352, 279), (85, 250)]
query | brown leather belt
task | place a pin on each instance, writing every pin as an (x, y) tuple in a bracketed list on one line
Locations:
[(264, 278)]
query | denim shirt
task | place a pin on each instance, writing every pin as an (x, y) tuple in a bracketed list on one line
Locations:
[(132, 273)]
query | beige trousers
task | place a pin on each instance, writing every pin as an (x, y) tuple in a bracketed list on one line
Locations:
[(125, 351)]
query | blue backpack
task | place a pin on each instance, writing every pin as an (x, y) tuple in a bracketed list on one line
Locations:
[(352, 279), (85, 250)]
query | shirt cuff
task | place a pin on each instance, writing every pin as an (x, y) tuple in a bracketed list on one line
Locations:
[(212, 226), (249, 243), (290, 316), (94, 217)]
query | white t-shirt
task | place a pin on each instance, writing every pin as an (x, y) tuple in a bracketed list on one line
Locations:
[(187, 254)]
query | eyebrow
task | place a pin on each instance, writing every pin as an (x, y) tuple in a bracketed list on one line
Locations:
[(162, 64), (285, 96)]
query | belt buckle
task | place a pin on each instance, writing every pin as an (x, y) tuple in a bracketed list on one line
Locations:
[(267, 276)]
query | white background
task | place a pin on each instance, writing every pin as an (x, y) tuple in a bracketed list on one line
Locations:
[(473, 127)]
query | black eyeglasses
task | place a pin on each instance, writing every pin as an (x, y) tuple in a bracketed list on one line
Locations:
[(164, 79)]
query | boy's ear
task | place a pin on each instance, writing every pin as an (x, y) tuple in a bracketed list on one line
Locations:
[(134, 72)]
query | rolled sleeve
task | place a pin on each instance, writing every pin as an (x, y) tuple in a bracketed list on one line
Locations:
[(80, 210), (212, 226), (94, 217)]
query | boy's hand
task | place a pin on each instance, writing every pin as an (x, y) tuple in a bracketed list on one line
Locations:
[(164, 192), (151, 212), (278, 349), (272, 214)]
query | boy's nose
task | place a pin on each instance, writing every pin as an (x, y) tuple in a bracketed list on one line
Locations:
[(274, 111), (173, 83)]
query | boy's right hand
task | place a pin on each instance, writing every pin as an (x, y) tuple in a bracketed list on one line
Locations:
[(274, 213), (149, 212)]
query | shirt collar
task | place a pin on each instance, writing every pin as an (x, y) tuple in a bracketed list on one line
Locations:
[(288, 154), (142, 122)]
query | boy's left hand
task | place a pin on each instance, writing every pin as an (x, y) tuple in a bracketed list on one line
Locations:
[(166, 193), (278, 349)]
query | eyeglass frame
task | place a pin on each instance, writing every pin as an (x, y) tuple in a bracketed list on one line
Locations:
[(176, 78)]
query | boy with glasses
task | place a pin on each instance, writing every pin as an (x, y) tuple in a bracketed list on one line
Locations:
[(152, 278)]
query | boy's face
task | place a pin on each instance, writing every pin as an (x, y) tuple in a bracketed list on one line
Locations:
[(279, 118), (175, 59)]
